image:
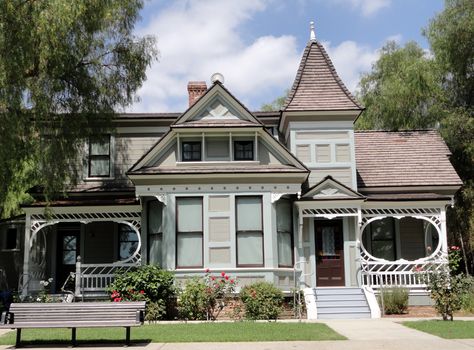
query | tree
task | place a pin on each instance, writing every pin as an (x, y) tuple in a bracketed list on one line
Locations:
[(408, 89), (277, 104), (65, 68), (401, 91)]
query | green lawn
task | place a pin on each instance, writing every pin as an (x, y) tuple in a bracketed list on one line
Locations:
[(444, 329), (173, 333)]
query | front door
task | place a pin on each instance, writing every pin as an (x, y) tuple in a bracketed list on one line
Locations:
[(68, 236), (329, 253)]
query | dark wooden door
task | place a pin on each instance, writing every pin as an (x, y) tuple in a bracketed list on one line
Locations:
[(68, 239), (329, 253)]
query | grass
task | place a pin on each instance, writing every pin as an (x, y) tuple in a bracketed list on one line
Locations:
[(173, 333), (444, 329)]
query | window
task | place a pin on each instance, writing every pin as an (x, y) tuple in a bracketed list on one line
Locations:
[(128, 241), (285, 233), (155, 233), (191, 151), (11, 239), (189, 242), (99, 157), (243, 150), (249, 231), (382, 238)]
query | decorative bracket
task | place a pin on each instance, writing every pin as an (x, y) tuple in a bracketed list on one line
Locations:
[(161, 197)]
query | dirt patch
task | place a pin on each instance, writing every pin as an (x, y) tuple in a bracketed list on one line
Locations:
[(426, 311)]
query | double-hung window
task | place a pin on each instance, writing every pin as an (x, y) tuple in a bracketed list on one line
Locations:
[(155, 233), (128, 241), (243, 150), (189, 246), (99, 157), (285, 233), (191, 151), (249, 230)]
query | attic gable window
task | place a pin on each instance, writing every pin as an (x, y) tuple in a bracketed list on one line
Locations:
[(243, 150), (191, 151), (99, 157)]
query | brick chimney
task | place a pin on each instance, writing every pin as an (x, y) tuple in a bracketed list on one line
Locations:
[(195, 90)]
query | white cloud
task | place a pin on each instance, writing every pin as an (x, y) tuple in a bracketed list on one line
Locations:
[(350, 60), (368, 7), (198, 38)]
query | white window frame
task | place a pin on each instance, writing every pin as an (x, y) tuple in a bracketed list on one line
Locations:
[(86, 162)]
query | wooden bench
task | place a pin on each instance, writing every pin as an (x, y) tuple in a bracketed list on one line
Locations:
[(73, 315)]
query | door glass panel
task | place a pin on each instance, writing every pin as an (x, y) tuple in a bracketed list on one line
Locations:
[(329, 244)]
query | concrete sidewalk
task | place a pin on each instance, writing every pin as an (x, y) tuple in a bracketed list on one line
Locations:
[(386, 334)]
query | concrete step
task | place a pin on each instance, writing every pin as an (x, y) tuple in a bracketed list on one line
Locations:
[(338, 291), (340, 303), (340, 297), (343, 316), (343, 309)]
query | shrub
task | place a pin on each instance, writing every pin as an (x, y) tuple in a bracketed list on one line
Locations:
[(262, 301), (395, 300), (454, 258), (204, 298), (149, 283), (447, 291), (467, 299)]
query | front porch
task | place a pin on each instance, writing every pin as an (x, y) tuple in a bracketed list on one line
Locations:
[(90, 244), (371, 245)]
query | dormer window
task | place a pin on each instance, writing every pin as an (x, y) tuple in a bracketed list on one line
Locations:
[(243, 150), (191, 151), (99, 157)]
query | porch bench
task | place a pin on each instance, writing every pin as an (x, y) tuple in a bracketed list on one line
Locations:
[(73, 315)]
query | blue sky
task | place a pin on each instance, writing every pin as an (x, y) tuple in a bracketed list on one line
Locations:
[(257, 44)]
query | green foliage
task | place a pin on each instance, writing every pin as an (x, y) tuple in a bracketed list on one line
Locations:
[(155, 310), (204, 298), (262, 301), (401, 91), (451, 37), (395, 300), (277, 104), (447, 291), (65, 67), (454, 258), (467, 299), (147, 282)]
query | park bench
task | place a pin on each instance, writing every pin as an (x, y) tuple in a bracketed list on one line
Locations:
[(73, 315)]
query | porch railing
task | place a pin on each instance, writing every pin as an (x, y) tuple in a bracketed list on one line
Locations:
[(93, 279), (400, 273)]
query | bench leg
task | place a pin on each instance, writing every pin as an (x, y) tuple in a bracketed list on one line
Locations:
[(18, 337), (73, 337), (127, 336)]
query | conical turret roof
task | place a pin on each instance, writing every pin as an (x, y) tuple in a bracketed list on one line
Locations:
[(317, 87)]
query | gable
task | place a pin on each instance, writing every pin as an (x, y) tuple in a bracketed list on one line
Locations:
[(215, 105), (329, 188)]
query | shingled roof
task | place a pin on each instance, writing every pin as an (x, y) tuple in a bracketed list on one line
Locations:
[(406, 158), (317, 87)]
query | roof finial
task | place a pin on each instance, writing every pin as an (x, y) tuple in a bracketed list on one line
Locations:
[(312, 35)]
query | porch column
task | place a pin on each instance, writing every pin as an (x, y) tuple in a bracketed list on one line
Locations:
[(444, 235), (301, 261), (26, 257)]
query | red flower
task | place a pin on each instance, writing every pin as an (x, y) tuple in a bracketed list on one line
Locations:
[(207, 270), (222, 273), (231, 281), (142, 292), (226, 277), (115, 294), (117, 300), (454, 247), (213, 278)]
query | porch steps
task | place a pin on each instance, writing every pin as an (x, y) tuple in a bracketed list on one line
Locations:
[(341, 303)]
